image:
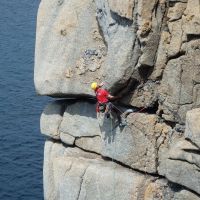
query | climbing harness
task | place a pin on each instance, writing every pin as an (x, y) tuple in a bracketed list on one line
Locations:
[(123, 118)]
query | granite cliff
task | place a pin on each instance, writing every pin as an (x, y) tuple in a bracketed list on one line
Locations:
[(149, 52)]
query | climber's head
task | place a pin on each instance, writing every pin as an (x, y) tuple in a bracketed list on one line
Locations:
[(94, 85)]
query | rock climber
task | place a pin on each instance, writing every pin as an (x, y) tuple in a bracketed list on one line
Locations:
[(103, 100)]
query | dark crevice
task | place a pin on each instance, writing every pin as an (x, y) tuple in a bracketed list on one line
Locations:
[(145, 71), (192, 151), (170, 123), (189, 140), (122, 21), (70, 96), (130, 85), (153, 107), (73, 99), (92, 136), (179, 187), (179, 128), (191, 37), (175, 187), (88, 151), (179, 54), (128, 167), (156, 8)]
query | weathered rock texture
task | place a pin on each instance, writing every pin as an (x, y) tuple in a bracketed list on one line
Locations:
[(72, 174), (146, 144), (148, 51)]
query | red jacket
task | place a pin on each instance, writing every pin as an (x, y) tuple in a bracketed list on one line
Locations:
[(102, 97)]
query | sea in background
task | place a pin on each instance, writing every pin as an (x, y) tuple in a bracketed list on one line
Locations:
[(21, 144)]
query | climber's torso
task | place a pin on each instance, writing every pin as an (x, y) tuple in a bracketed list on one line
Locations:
[(102, 95)]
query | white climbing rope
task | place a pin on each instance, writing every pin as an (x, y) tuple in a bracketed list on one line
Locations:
[(114, 175)]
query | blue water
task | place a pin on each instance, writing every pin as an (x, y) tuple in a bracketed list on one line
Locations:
[(21, 145)]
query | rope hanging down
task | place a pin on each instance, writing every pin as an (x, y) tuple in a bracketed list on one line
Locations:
[(114, 154), (114, 175)]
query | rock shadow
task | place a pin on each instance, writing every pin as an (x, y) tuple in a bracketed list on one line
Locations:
[(110, 128)]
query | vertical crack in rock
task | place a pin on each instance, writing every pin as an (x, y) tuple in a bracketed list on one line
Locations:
[(82, 178)]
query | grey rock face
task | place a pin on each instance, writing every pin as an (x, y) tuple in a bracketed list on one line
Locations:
[(80, 120), (104, 136), (143, 144), (92, 57), (185, 195), (69, 119), (85, 178), (69, 48), (113, 42), (177, 88), (92, 144), (73, 174), (135, 144), (147, 52), (51, 118), (129, 43), (67, 139)]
